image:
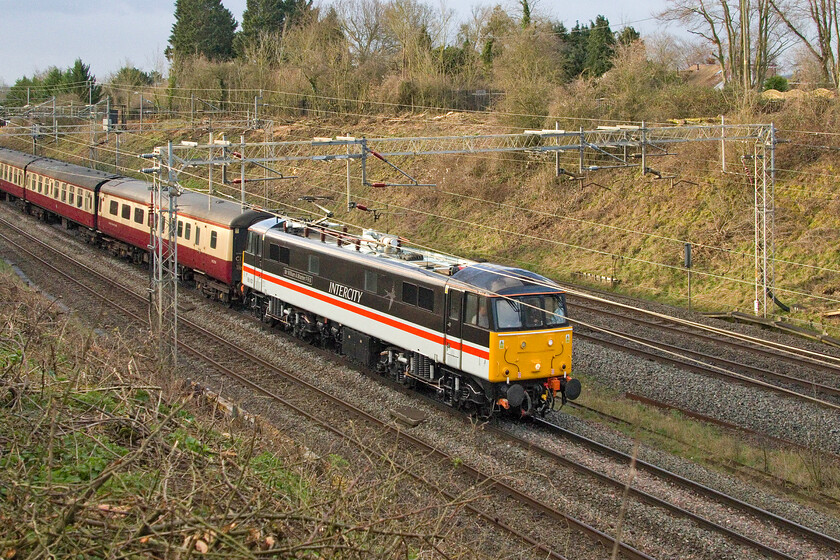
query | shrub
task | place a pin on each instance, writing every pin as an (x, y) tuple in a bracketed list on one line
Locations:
[(779, 83)]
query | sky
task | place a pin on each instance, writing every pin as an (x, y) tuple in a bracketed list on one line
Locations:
[(108, 34)]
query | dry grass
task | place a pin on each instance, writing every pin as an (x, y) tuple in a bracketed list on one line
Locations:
[(804, 474), (101, 457)]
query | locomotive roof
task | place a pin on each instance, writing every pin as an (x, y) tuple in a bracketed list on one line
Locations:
[(366, 255), (490, 278), (196, 205), (18, 159), (500, 279), (70, 173)]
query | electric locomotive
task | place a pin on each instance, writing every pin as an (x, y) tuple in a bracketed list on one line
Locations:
[(483, 337)]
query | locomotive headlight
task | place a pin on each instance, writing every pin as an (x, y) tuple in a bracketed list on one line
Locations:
[(522, 345), (537, 367), (550, 342)]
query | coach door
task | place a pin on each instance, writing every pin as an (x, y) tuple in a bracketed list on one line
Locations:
[(452, 336)]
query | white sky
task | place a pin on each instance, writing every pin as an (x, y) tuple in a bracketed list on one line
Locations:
[(106, 34)]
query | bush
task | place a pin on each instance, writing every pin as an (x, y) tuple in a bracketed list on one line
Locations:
[(779, 83)]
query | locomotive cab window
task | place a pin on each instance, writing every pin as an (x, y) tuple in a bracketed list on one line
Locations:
[(530, 312), (476, 311)]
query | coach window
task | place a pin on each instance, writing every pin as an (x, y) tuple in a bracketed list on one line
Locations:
[(180, 228), (79, 199), (63, 192), (126, 212), (71, 195), (197, 233), (138, 215), (187, 231), (213, 237), (314, 264), (426, 298), (409, 293), (370, 281)]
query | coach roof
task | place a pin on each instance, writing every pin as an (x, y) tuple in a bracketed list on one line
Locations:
[(190, 204), (70, 173), (18, 159)]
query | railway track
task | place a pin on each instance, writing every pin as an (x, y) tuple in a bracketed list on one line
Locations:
[(230, 357), (805, 493), (235, 357), (708, 363), (717, 336), (758, 513)]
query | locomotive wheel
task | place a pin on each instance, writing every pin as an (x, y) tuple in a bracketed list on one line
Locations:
[(527, 408)]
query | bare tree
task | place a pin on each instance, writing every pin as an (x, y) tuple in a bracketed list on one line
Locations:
[(410, 22), (746, 34), (817, 25), (364, 25), (472, 32)]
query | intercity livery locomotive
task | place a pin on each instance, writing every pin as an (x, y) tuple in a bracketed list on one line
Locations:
[(485, 338)]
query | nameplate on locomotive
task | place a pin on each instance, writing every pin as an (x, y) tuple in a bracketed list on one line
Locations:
[(298, 276), (346, 292)]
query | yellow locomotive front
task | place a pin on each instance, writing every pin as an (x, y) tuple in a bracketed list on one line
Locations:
[(530, 355)]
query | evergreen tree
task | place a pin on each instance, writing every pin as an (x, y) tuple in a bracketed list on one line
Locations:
[(25, 89), (54, 82), (575, 44), (80, 81), (526, 14), (600, 47), (628, 35), (202, 27), (269, 16)]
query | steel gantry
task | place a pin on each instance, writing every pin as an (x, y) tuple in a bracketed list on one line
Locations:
[(603, 147), (163, 254)]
